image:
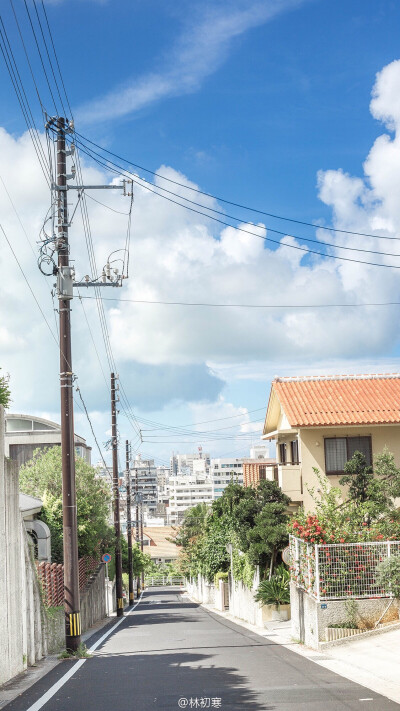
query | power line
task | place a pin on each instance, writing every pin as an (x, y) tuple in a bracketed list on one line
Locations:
[(217, 419), (246, 306), (224, 200), (268, 227), (146, 186)]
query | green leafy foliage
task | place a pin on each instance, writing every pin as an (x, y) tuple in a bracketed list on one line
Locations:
[(5, 393), (346, 516), (42, 477), (193, 524), (275, 591), (388, 575), (358, 475), (220, 576), (252, 520)]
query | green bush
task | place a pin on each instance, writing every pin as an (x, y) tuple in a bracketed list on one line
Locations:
[(220, 576), (275, 591), (388, 575)]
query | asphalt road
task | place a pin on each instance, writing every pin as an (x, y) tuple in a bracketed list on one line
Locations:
[(170, 653)]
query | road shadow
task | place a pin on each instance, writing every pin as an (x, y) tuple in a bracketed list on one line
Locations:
[(141, 682), (160, 618)]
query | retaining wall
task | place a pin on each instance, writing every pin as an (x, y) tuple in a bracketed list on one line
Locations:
[(93, 599), (22, 639)]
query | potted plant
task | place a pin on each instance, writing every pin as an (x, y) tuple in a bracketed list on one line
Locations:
[(274, 595)]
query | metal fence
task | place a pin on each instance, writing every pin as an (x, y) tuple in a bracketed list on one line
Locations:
[(163, 581), (340, 570)]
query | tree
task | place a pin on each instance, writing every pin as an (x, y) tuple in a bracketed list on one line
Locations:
[(4, 391), (359, 475), (193, 524), (252, 520), (42, 477)]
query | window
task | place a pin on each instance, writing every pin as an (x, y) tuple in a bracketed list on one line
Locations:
[(338, 451), (282, 453), (294, 450), (262, 473)]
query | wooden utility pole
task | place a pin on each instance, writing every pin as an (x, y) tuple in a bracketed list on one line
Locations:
[(65, 294), (141, 538), (117, 524), (129, 522), (138, 587)]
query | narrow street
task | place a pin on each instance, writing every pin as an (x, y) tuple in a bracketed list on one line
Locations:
[(170, 653)]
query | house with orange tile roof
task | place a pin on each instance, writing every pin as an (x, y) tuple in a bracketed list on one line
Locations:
[(320, 421)]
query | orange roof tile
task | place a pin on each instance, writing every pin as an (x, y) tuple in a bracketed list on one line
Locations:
[(340, 399)]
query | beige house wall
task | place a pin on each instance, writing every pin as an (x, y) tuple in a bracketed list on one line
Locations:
[(312, 450)]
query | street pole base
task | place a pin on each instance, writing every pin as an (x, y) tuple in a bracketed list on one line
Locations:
[(120, 607), (72, 631), (72, 643)]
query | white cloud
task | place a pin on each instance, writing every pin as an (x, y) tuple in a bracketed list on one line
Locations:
[(385, 103), (172, 354), (199, 52)]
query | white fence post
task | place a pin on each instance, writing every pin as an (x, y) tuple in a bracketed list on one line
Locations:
[(316, 548)]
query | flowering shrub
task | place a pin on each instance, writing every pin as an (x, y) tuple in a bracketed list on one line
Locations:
[(351, 568), (338, 521)]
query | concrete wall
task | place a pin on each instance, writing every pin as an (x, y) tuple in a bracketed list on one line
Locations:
[(93, 599), (241, 598), (201, 590), (310, 618), (27, 631), (22, 640), (242, 603)]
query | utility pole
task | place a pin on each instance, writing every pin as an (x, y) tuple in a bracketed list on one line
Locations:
[(141, 538), (129, 522), (117, 524), (137, 523), (58, 128), (65, 294)]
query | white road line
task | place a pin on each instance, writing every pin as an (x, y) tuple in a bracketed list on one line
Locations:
[(53, 689)]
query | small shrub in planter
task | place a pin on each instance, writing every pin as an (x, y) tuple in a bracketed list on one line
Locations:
[(275, 591)]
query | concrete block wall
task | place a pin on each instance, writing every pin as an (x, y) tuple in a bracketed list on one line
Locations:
[(200, 589), (310, 618), (242, 603), (93, 599)]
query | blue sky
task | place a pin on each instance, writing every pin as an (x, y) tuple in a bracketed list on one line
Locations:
[(265, 103)]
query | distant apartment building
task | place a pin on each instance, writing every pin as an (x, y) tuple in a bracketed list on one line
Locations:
[(163, 474), (185, 492), (25, 433), (144, 475), (222, 472), (183, 463)]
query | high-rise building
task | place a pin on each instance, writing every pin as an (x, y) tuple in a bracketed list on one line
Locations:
[(145, 471), (185, 492), (222, 472), (183, 463)]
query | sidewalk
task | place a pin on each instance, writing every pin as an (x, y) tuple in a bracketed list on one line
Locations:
[(373, 661)]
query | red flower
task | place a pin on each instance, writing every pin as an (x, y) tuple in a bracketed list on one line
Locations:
[(341, 540)]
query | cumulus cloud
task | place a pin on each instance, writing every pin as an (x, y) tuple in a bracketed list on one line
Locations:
[(174, 354)]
